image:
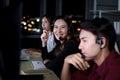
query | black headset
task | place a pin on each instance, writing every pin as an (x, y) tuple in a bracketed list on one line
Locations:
[(99, 41)]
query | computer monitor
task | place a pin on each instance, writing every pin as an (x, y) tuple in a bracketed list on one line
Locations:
[(10, 17)]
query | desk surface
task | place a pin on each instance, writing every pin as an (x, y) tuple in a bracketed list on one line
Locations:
[(27, 68)]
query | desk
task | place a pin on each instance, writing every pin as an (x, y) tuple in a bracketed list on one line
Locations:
[(28, 66)]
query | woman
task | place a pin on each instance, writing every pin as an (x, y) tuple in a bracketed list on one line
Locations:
[(47, 36), (65, 45)]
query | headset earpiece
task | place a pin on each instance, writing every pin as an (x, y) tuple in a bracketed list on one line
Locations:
[(99, 41)]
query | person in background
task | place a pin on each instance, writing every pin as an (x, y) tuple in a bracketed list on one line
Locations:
[(97, 40), (64, 45), (47, 37)]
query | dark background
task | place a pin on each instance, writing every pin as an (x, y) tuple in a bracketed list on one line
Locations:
[(74, 7)]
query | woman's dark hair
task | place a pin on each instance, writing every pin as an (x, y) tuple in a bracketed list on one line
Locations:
[(66, 19), (101, 27), (49, 18)]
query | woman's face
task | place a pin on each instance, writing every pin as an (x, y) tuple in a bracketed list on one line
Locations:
[(88, 45), (45, 24), (60, 29)]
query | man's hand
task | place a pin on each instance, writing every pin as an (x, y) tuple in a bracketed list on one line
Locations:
[(77, 61)]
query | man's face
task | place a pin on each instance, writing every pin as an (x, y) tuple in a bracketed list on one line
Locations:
[(88, 45)]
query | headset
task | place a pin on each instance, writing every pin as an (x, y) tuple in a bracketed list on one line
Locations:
[(99, 41)]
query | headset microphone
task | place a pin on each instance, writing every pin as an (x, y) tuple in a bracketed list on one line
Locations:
[(83, 56), (60, 38)]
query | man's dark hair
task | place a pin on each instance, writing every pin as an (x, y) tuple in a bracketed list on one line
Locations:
[(101, 27)]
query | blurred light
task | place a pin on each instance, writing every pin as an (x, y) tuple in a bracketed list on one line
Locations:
[(32, 22), (74, 21), (25, 27), (36, 30), (23, 22), (29, 25), (78, 29), (24, 17), (29, 29), (37, 19)]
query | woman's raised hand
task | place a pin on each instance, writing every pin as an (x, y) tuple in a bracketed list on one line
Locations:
[(44, 37)]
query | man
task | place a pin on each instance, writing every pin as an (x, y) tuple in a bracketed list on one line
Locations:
[(97, 39)]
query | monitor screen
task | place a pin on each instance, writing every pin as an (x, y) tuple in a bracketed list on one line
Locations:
[(10, 17)]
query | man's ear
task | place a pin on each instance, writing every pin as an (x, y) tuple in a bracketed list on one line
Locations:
[(104, 42), (101, 41)]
